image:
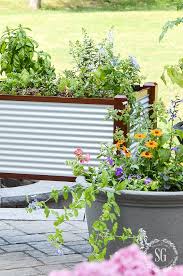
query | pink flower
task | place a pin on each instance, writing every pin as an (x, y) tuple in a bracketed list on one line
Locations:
[(173, 271), (78, 152), (130, 261), (87, 157), (84, 159), (61, 273)]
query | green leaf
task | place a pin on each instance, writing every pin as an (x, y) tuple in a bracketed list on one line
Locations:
[(121, 185), (46, 211), (104, 179), (164, 154), (55, 195)]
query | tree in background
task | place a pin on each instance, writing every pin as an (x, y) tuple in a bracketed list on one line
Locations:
[(35, 4)]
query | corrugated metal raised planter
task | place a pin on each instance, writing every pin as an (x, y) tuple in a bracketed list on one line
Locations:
[(37, 134), (158, 213)]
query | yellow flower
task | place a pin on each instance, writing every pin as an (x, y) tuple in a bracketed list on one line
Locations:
[(151, 144), (146, 154), (140, 136), (157, 132), (119, 144)]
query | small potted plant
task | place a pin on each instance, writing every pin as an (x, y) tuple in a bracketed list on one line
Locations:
[(50, 115)]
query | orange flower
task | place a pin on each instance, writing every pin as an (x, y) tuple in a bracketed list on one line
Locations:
[(126, 152), (146, 154), (119, 144), (157, 132), (124, 149), (151, 144), (140, 136)]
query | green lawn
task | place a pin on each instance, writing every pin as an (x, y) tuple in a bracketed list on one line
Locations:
[(136, 34)]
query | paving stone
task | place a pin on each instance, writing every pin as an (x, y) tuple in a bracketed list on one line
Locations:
[(77, 242), (68, 236), (17, 272), (31, 227), (16, 247), (49, 249), (17, 196), (65, 259), (3, 242), (83, 235), (17, 260), (20, 214), (25, 250), (26, 238), (10, 233), (36, 254), (80, 225), (46, 269), (81, 248), (5, 226)]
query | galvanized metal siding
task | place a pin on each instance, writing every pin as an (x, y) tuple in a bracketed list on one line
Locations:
[(37, 138), (144, 101)]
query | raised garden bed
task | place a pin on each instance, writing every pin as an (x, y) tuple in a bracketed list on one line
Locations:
[(37, 134)]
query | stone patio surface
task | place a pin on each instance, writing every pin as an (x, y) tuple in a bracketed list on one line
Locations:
[(25, 251)]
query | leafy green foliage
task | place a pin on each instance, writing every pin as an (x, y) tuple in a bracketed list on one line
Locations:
[(98, 72), (174, 72), (110, 4), (27, 70), (170, 25)]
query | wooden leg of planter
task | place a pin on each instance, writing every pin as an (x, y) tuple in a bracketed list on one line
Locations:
[(153, 96), (120, 103)]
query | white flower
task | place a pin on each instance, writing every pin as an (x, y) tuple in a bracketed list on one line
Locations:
[(110, 36), (134, 62)]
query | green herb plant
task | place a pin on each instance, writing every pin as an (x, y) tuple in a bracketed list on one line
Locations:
[(98, 72), (27, 70)]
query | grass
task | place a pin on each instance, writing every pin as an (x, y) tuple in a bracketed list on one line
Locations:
[(78, 5), (136, 34)]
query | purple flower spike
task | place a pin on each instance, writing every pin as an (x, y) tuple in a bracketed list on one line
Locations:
[(123, 177), (110, 161), (174, 148), (147, 180), (119, 171)]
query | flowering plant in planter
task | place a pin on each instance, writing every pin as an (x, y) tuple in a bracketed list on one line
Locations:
[(154, 164)]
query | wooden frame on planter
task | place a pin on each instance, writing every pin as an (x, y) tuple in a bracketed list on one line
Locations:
[(37, 134)]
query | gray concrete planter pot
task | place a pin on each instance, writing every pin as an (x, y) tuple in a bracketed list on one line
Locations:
[(160, 214)]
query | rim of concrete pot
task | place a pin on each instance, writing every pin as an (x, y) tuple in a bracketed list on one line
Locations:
[(146, 199), (139, 198)]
